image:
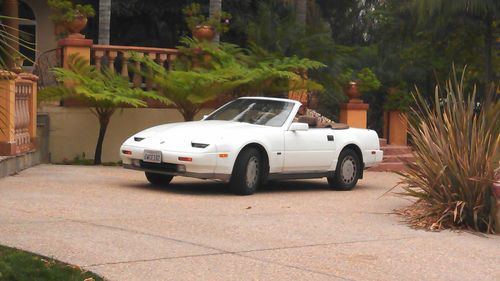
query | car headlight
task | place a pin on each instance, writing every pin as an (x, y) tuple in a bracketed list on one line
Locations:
[(199, 145)]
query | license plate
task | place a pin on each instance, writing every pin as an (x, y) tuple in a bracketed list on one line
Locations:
[(152, 156)]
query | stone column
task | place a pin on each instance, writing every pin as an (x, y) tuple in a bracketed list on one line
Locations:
[(11, 10), (396, 127), (8, 113), (79, 46), (354, 112)]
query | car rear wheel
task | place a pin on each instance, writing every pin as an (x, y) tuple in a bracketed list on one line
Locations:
[(158, 179), (347, 172), (247, 172)]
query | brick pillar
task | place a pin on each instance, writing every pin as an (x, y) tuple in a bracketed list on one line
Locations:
[(70, 46), (396, 127), (355, 112), (7, 109)]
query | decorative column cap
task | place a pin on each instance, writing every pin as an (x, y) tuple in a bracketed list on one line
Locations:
[(28, 76), (7, 75), (75, 42)]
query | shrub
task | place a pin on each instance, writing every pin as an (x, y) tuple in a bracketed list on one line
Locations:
[(456, 152)]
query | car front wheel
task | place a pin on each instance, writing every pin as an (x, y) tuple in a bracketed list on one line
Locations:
[(158, 179), (247, 172), (347, 172)]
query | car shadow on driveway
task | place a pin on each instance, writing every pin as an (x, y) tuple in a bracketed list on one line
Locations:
[(218, 188)]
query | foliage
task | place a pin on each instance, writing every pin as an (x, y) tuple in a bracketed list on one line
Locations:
[(397, 99), (457, 155), (366, 79), (65, 11), (205, 70), (24, 266), (102, 90), (194, 18), (272, 27)]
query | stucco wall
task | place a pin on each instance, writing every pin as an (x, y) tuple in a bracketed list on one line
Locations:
[(74, 131), (45, 38)]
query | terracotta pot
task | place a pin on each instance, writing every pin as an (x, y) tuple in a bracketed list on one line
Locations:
[(204, 32), (352, 91), (77, 25)]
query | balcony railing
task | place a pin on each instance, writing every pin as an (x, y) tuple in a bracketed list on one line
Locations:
[(116, 58), (17, 112)]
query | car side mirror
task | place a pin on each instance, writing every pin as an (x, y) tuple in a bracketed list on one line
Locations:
[(299, 127)]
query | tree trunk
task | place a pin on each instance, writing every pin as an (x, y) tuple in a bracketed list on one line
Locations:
[(215, 7), (488, 43), (104, 21), (104, 118), (301, 13)]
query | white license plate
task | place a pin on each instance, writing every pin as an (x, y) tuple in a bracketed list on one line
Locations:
[(152, 156)]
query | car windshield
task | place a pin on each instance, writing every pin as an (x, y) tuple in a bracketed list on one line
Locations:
[(255, 111)]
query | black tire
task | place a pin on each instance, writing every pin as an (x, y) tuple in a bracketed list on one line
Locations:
[(348, 171), (158, 179), (247, 172)]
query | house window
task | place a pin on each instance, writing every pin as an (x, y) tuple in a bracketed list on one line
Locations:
[(27, 33)]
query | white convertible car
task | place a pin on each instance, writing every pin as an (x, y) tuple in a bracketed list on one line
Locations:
[(249, 141)]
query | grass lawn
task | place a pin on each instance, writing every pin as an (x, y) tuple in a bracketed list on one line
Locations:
[(17, 265)]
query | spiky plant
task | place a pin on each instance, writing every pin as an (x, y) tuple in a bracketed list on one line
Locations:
[(103, 91), (456, 143)]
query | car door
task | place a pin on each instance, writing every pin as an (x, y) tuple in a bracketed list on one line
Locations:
[(308, 151)]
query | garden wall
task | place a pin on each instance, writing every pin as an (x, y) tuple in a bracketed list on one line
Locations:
[(73, 130)]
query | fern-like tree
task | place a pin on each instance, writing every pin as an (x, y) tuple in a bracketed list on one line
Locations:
[(205, 70), (103, 91)]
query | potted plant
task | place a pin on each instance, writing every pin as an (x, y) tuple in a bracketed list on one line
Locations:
[(357, 82), (18, 62), (396, 107), (203, 27), (72, 16)]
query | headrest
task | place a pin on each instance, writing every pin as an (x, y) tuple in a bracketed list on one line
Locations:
[(311, 121)]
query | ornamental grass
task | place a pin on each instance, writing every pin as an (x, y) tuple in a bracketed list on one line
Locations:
[(455, 140)]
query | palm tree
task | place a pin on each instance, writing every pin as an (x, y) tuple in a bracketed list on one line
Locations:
[(104, 21), (484, 11), (215, 8)]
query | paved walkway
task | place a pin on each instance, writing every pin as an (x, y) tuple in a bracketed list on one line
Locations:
[(110, 221)]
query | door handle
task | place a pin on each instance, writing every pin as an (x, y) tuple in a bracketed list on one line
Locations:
[(329, 137)]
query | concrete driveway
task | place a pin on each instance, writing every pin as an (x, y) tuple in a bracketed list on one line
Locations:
[(110, 221)]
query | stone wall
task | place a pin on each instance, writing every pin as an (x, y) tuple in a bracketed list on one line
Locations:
[(73, 130)]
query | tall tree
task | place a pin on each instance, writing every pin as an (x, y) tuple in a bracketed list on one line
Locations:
[(301, 12), (104, 21), (215, 8), (484, 11)]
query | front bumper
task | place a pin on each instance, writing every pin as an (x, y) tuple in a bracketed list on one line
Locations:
[(203, 165), (205, 176)]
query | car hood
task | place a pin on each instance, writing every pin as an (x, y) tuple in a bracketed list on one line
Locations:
[(180, 135)]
